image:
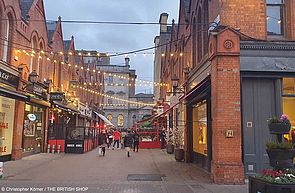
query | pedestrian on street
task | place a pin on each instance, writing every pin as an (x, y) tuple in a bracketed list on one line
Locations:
[(117, 135), (162, 138), (135, 141), (128, 142), (103, 143), (123, 133), (110, 138)]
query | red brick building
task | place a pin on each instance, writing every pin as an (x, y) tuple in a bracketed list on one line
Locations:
[(235, 60), (34, 62)]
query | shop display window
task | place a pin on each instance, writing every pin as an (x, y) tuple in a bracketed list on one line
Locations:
[(289, 102), (200, 128), (7, 107), (33, 129)]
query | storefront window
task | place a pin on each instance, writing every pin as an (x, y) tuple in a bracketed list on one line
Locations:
[(120, 120), (7, 107), (200, 128), (289, 101), (33, 129), (110, 117)]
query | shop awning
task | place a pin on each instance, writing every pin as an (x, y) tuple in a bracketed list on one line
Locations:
[(12, 94), (106, 121), (65, 107)]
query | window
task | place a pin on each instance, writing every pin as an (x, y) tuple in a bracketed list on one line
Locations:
[(289, 101), (110, 117), (7, 38), (275, 17), (110, 101), (200, 128), (120, 120), (111, 79)]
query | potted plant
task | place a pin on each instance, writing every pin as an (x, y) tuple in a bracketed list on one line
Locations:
[(273, 181), (280, 125), (178, 136), (280, 154)]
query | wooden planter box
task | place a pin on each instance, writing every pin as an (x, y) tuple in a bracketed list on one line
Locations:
[(258, 185)]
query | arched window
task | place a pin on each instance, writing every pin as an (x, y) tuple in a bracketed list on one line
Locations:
[(7, 38), (34, 56), (194, 44), (40, 62), (199, 36), (120, 120), (110, 117)]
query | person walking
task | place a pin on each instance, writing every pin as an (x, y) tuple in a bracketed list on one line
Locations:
[(117, 135), (103, 143), (135, 141), (110, 138), (128, 142), (162, 138)]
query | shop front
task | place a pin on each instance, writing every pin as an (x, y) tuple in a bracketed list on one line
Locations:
[(62, 116), (199, 134), (35, 119), (268, 89), (11, 103)]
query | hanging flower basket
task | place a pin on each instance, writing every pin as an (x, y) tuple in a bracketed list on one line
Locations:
[(280, 125), (279, 128), (281, 158)]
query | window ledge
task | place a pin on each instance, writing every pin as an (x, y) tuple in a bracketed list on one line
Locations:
[(276, 37)]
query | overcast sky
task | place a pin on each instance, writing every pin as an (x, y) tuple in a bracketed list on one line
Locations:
[(114, 38)]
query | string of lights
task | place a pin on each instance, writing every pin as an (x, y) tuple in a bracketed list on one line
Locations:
[(112, 97)]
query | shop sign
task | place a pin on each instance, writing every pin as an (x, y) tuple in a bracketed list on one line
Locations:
[(57, 96), (8, 78), (32, 117)]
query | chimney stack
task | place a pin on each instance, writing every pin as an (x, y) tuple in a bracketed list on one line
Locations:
[(127, 61), (163, 22)]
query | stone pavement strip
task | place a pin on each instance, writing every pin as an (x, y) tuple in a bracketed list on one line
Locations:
[(90, 173)]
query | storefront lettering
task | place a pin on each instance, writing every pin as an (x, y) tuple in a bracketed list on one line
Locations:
[(6, 106), (2, 149), (3, 125), (4, 76), (8, 78)]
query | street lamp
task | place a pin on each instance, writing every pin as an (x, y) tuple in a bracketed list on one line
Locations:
[(174, 80), (33, 77)]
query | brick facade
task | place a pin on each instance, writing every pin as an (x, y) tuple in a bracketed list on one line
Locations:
[(238, 19), (34, 45)]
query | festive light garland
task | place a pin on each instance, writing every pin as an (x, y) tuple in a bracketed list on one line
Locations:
[(115, 98), (142, 83)]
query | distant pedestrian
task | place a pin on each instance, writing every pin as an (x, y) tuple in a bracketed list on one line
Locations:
[(103, 143), (162, 138), (117, 135), (135, 141), (128, 142), (110, 138), (123, 133)]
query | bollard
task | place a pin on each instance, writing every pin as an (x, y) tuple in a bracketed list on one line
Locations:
[(48, 148), (1, 170), (58, 149), (53, 149)]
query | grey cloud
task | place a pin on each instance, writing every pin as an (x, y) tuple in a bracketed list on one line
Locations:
[(121, 38)]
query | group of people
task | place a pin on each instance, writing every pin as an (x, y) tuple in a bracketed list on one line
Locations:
[(113, 138)]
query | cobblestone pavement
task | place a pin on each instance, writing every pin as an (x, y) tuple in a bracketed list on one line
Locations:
[(91, 173)]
